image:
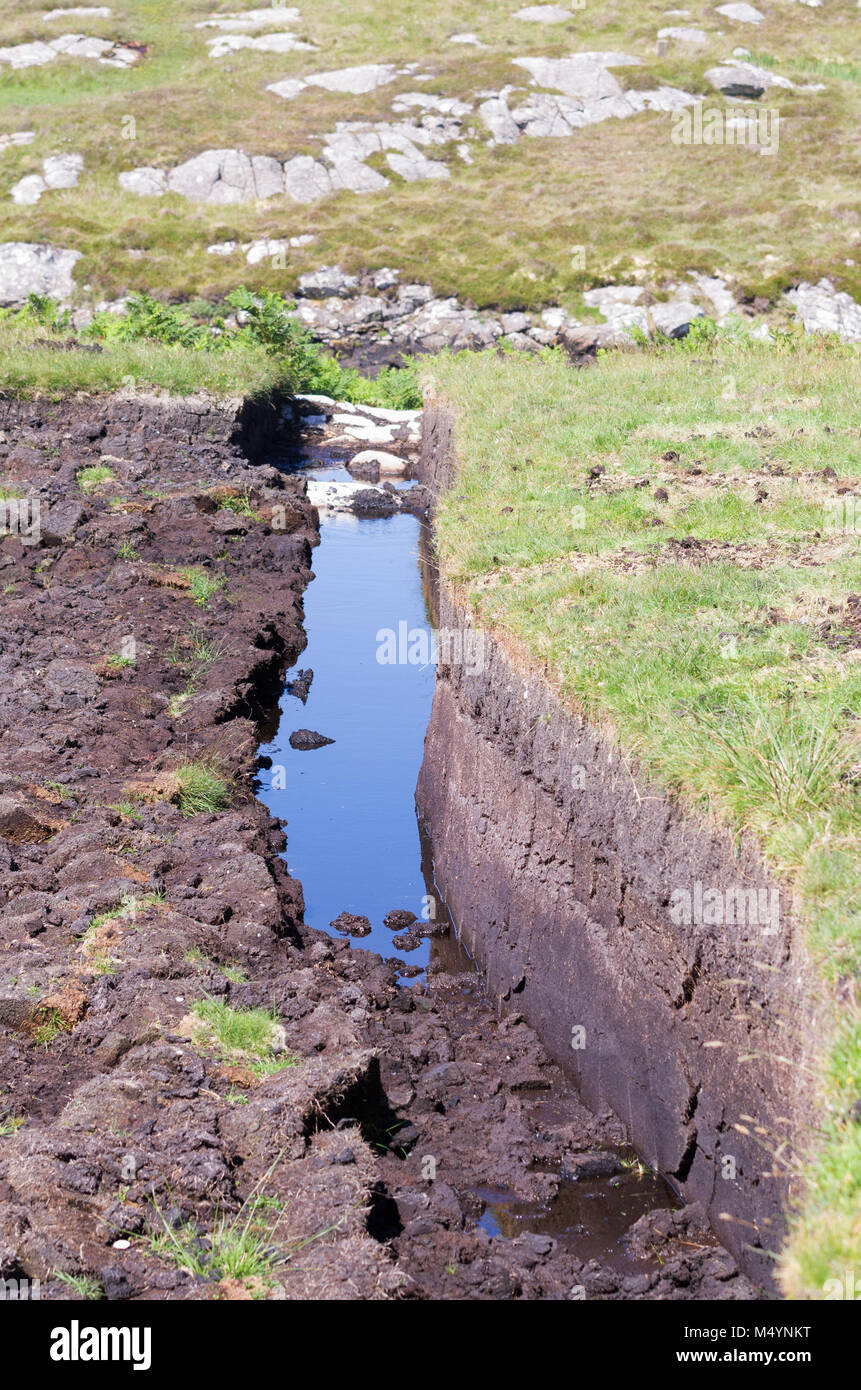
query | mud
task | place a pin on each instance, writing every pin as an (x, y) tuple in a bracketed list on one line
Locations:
[(417, 1146)]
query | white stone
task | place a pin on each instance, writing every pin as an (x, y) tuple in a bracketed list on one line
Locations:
[(306, 179), (63, 170), (355, 81), (223, 248), (266, 43), (386, 462), (251, 19), (34, 268), (745, 79), (544, 14), (146, 182), (742, 14), (28, 190), (823, 309), (472, 39), (17, 137), (80, 11), (694, 38), (715, 289)]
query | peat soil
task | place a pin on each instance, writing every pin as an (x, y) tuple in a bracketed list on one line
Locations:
[(392, 1142)]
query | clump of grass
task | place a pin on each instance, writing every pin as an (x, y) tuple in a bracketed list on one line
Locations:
[(117, 662), (84, 1285), (52, 1024), (238, 1247), (10, 1125), (203, 586), (126, 551), (252, 1037), (95, 476), (201, 790)]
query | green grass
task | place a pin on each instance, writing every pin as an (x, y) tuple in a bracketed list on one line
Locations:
[(83, 1285), (252, 1037), (10, 1126), (202, 584), (93, 478), (734, 681), (202, 790)]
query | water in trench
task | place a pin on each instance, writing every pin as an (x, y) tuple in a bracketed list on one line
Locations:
[(353, 837)]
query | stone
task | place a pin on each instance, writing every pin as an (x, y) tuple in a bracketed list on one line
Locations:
[(594, 1164), (251, 19), (146, 182), (745, 80), (304, 740), (824, 309), (328, 281), (472, 39), (415, 167), (355, 81), (544, 14), (384, 461), (81, 11), (16, 137), (675, 317), (349, 924), (266, 43), (59, 171), (691, 37), (306, 179), (715, 289), (35, 268), (742, 14)]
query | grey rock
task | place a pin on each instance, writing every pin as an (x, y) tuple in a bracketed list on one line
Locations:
[(35, 268), (330, 281), (824, 309)]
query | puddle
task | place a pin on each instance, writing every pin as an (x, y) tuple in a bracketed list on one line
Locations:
[(588, 1217)]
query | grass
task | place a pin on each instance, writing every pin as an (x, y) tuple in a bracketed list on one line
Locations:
[(747, 680), (202, 584), (252, 1037), (502, 230), (202, 790), (95, 477), (83, 1285), (51, 1026), (10, 1125)]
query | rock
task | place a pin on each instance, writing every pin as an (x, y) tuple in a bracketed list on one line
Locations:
[(824, 309), (355, 81), (408, 941), (348, 924), (692, 37), (744, 80), (742, 14), (594, 1164), (300, 685), (400, 918), (306, 179), (304, 740), (384, 462), (146, 182), (373, 503), (675, 317), (16, 137), (544, 14), (266, 43), (59, 171), (34, 268)]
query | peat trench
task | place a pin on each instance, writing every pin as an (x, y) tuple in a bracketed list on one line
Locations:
[(420, 1145)]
